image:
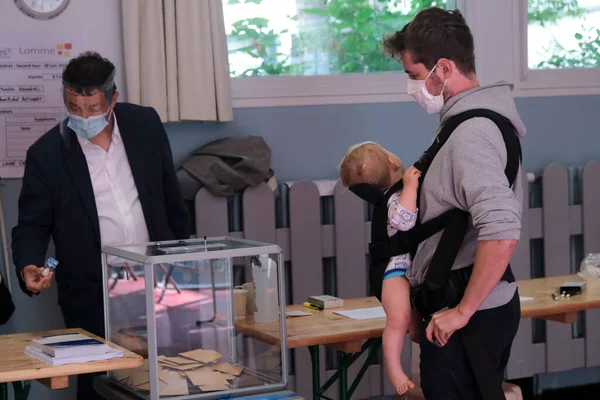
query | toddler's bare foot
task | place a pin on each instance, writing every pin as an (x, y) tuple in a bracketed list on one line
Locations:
[(403, 384)]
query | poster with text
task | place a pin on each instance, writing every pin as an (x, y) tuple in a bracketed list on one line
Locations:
[(31, 66)]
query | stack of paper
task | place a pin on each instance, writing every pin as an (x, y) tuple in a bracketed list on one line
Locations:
[(70, 349), (196, 369), (326, 301)]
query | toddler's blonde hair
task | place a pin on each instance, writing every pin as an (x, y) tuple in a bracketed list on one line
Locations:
[(367, 162)]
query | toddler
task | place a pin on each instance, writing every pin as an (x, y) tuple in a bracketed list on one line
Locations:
[(370, 163)]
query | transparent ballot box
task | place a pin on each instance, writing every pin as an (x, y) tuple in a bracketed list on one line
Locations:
[(185, 306)]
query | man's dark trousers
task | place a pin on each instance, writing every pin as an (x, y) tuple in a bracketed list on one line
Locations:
[(471, 365)]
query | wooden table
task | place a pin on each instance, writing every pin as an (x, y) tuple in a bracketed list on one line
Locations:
[(17, 366), (562, 310), (324, 328)]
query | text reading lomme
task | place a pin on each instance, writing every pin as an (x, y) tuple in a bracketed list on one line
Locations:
[(37, 51)]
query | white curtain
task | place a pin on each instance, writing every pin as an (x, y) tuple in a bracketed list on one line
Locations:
[(176, 58)]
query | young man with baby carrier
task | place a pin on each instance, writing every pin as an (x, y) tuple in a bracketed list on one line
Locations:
[(471, 313)]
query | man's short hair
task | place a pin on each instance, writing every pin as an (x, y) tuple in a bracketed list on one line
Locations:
[(435, 33), (89, 70)]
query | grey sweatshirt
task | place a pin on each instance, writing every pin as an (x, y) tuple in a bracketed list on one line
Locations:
[(468, 173)]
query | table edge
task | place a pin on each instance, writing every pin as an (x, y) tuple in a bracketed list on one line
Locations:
[(128, 361)]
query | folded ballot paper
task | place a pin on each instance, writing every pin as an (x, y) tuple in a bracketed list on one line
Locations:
[(70, 349)]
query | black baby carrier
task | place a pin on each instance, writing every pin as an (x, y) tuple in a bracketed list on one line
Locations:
[(441, 287)]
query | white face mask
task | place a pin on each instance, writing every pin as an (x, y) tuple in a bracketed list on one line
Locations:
[(417, 89)]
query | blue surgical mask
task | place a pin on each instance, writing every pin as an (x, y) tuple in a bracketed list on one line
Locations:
[(89, 127)]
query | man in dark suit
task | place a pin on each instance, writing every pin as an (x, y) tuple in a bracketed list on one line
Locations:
[(104, 176)]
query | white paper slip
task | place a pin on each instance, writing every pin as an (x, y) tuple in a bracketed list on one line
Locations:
[(363, 313), (297, 314), (525, 298)]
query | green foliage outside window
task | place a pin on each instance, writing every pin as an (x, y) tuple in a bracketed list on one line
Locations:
[(345, 36)]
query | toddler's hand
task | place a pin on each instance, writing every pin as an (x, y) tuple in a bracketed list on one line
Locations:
[(411, 178)]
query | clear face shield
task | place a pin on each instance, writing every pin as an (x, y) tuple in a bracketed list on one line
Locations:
[(87, 110)]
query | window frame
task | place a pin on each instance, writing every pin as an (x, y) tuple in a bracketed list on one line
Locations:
[(270, 91)]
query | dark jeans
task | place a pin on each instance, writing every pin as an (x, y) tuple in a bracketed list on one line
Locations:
[(92, 320), (471, 365)]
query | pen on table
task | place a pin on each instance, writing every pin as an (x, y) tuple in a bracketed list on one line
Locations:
[(313, 306)]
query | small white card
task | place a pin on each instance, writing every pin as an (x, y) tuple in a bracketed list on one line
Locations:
[(363, 313), (297, 314), (525, 298)]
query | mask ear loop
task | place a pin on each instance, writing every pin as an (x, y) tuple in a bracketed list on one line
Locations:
[(431, 72), (445, 81), (112, 111), (443, 87)]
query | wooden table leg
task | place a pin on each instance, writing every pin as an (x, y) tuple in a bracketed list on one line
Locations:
[(347, 347), (57, 382), (166, 279), (567, 318)]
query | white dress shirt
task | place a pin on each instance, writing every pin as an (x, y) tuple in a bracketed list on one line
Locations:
[(117, 202)]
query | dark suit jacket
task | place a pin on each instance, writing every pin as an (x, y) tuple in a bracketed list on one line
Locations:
[(57, 200)]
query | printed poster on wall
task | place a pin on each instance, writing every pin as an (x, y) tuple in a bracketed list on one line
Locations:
[(31, 66)]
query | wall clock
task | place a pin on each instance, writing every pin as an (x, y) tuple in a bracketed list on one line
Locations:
[(42, 9)]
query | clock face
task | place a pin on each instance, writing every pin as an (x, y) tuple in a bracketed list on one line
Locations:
[(42, 9)]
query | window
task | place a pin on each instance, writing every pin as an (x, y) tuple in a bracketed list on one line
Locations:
[(315, 51), (310, 52), (563, 34), (559, 42)]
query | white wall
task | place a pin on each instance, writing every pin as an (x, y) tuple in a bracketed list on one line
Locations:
[(99, 19)]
